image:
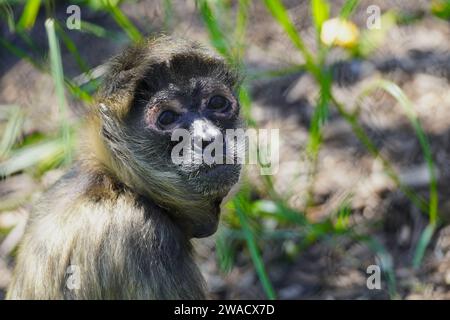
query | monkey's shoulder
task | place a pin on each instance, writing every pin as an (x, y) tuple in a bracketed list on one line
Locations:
[(121, 241), (81, 200)]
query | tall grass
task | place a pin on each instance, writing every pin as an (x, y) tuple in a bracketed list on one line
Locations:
[(58, 77), (50, 151), (12, 130), (433, 203), (233, 50), (241, 210), (315, 65), (122, 20)]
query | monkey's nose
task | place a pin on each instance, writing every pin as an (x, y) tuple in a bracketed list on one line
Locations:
[(204, 132)]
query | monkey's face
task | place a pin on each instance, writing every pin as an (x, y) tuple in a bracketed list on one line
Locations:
[(186, 125), (180, 136), (173, 105)]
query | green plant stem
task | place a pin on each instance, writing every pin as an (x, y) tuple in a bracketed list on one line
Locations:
[(58, 77), (254, 251), (360, 133)]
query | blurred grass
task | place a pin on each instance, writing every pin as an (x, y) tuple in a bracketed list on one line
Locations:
[(233, 52), (123, 21), (29, 14), (241, 204), (42, 156), (58, 77), (441, 9), (226, 26), (432, 210), (12, 131)]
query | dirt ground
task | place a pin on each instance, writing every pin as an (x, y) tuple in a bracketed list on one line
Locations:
[(415, 56)]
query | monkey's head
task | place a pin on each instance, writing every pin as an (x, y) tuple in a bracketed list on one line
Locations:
[(169, 95)]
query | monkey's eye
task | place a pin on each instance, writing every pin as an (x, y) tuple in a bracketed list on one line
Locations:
[(167, 118), (218, 103)]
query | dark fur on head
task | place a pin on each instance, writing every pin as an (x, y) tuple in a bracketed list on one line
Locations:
[(151, 63)]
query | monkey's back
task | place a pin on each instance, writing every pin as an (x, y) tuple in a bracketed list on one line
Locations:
[(91, 239)]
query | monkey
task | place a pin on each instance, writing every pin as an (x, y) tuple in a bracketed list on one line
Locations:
[(119, 223)]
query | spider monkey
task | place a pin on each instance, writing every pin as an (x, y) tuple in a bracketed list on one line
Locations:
[(118, 225)]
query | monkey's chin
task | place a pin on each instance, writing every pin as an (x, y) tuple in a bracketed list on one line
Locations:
[(216, 181), (206, 229)]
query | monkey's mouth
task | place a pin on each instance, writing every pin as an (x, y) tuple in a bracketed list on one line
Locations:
[(214, 169), (219, 171), (216, 179)]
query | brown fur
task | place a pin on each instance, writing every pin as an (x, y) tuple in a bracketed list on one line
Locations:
[(120, 215)]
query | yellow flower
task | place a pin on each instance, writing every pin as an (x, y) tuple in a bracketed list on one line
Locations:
[(339, 32)]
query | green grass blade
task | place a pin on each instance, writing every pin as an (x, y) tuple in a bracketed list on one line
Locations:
[(29, 14), (74, 90), (343, 216), (253, 248), (78, 92), (320, 11), (246, 104), (72, 47), (122, 20), (386, 261), (279, 12), (441, 9), (25, 36), (406, 104), (233, 54), (320, 115), (58, 77), (241, 28), (360, 133), (168, 14), (33, 155), (216, 36), (97, 30), (315, 129), (433, 205), (82, 64), (253, 75), (348, 8), (371, 39), (224, 250), (279, 211), (18, 52), (7, 14), (12, 131), (422, 245)]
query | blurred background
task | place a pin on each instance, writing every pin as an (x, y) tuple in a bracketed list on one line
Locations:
[(358, 89)]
